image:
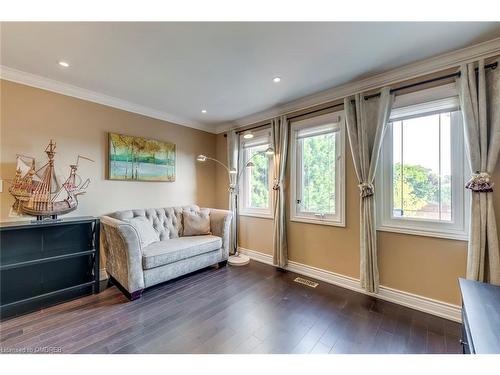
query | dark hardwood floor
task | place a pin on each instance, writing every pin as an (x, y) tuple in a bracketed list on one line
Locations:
[(252, 309)]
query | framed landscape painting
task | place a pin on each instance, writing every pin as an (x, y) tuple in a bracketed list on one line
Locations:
[(140, 159)]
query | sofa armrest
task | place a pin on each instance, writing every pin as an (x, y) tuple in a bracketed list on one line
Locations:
[(220, 225), (123, 253)]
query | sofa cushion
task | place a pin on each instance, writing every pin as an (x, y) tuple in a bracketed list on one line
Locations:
[(170, 251), (167, 222), (147, 234), (196, 223)]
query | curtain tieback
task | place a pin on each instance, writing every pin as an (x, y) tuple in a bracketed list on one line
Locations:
[(232, 188), (276, 184), (366, 189), (480, 182)]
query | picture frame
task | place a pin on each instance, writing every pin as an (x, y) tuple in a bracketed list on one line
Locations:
[(135, 158)]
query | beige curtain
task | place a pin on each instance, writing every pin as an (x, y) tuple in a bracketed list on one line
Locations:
[(280, 144), (480, 103), (366, 124), (232, 161)]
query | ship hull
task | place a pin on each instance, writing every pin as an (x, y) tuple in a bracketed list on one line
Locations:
[(58, 208)]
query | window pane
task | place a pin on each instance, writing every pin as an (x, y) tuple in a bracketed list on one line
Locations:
[(259, 178), (445, 191), (318, 174), (422, 168), (397, 208)]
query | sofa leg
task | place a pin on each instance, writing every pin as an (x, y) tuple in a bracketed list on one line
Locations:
[(131, 296), (135, 295), (223, 264)]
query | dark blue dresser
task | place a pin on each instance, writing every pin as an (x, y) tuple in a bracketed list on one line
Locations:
[(43, 264), (480, 317)]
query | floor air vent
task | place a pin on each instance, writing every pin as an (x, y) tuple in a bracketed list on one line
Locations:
[(309, 283)]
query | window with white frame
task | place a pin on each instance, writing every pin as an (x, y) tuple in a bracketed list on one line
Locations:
[(421, 171), (317, 170), (256, 176)]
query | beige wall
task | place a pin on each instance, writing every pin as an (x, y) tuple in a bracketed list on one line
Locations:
[(421, 265), (30, 117)]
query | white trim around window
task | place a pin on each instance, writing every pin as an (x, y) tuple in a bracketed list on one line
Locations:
[(259, 143), (300, 130), (457, 227)]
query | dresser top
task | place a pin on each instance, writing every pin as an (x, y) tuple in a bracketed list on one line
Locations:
[(482, 308), (30, 224)]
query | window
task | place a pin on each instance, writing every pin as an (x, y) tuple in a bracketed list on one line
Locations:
[(421, 179), (256, 177), (317, 170)]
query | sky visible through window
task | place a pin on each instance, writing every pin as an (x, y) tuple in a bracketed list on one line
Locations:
[(422, 167)]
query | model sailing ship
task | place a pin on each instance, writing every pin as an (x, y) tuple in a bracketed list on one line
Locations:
[(39, 192)]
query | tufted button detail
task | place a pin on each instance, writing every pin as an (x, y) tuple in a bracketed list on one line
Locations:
[(167, 222)]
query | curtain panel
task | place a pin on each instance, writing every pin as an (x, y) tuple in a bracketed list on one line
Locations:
[(232, 161), (479, 92), (280, 134), (366, 123)]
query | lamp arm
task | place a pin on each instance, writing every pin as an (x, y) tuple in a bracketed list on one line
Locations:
[(245, 164), (223, 165)]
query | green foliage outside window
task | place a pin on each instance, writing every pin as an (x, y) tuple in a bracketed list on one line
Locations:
[(318, 174), (419, 190), (259, 177)]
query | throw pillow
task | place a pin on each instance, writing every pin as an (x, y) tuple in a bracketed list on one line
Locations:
[(196, 223), (147, 234)]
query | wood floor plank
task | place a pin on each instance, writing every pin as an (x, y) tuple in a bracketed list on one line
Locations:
[(252, 309)]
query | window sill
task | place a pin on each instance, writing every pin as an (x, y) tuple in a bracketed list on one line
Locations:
[(307, 220), (426, 233), (256, 215)]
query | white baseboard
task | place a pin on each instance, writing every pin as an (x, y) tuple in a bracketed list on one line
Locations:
[(103, 275), (414, 301)]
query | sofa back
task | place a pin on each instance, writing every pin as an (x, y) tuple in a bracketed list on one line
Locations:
[(167, 222)]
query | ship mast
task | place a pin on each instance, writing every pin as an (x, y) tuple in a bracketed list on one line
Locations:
[(41, 195)]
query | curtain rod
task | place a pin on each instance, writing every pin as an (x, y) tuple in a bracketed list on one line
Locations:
[(492, 66), (292, 117)]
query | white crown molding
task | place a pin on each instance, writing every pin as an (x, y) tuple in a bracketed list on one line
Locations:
[(414, 301), (406, 72), (25, 78)]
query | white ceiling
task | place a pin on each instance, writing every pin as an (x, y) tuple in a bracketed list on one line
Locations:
[(225, 68)]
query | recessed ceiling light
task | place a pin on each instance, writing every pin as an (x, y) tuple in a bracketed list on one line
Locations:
[(64, 64), (203, 111), (276, 79), (248, 135)]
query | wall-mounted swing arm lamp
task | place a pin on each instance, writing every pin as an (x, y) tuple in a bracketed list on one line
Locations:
[(236, 259)]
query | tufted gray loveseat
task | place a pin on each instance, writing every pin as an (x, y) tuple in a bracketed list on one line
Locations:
[(134, 268)]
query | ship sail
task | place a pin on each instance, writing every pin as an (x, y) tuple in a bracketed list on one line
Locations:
[(56, 183), (25, 168)]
